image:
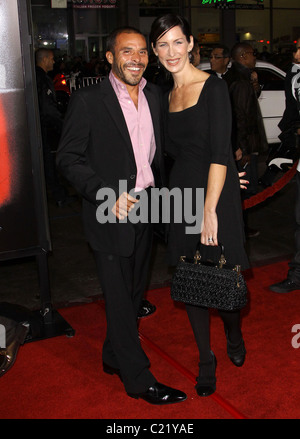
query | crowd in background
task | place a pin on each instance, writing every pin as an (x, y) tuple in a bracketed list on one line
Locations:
[(98, 66)]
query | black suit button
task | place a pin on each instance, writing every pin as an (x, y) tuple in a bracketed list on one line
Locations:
[(132, 176)]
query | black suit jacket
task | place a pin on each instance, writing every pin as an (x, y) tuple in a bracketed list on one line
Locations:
[(291, 117), (248, 131), (95, 152)]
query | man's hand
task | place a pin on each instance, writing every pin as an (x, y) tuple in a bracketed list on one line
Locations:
[(255, 83), (123, 205), (238, 154)]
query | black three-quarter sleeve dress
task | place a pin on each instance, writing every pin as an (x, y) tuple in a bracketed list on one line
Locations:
[(195, 138)]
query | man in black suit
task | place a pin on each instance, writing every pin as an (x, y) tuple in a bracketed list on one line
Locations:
[(290, 118), (290, 124), (283, 156), (219, 60), (51, 121), (112, 134), (248, 133)]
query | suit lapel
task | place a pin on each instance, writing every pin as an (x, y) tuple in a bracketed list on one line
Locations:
[(155, 114), (154, 110), (111, 102)]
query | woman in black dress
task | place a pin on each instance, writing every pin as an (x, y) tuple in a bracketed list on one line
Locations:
[(198, 137)]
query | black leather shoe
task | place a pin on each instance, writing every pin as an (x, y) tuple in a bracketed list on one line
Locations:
[(236, 352), (206, 381), (112, 370), (286, 286), (16, 336), (146, 309), (160, 394)]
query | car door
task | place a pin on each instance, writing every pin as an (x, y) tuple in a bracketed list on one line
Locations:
[(271, 100)]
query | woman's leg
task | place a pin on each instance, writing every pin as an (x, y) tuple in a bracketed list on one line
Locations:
[(235, 344), (199, 319), (232, 325), (206, 380)]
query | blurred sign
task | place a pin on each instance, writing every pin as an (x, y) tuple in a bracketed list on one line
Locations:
[(59, 3), (94, 4), (230, 4), (226, 2), (222, 5), (245, 6), (208, 38), (211, 2)]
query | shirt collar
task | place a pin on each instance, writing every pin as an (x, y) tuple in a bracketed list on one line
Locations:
[(119, 86)]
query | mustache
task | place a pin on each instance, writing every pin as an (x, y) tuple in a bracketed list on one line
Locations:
[(130, 64)]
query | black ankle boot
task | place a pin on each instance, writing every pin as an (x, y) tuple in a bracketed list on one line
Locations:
[(206, 381), (236, 351)]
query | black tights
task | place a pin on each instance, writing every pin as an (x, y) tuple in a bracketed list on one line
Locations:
[(199, 318)]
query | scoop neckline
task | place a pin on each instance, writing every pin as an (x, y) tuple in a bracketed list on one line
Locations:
[(192, 106)]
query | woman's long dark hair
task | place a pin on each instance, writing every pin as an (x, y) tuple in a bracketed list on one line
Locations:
[(162, 24)]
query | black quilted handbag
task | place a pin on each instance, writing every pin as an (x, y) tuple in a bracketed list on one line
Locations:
[(212, 285)]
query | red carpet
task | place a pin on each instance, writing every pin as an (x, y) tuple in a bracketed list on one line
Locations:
[(62, 378)]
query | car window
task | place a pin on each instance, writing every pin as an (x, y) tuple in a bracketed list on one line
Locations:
[(270, 80)]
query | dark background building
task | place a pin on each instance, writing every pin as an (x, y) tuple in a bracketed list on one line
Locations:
[(80, 27)]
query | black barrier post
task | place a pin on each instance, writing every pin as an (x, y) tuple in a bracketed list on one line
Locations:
[(45, 296), (51, 322)]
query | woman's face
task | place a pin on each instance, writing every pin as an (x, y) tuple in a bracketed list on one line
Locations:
[(173, 49)]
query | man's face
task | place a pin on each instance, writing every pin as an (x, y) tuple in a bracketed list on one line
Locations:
[(196, 56), (249, 57), (217, 61), (49, 62), (130, 59), (296, 54)]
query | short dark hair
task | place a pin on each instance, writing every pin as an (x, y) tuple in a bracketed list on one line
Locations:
[(238, 48), (226, 51), (111, 39), (163, 24), (42, 53)]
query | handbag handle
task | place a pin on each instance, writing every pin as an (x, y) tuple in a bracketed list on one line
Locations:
[(222, 260)]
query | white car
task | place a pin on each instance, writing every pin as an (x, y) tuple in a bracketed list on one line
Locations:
[(272, 97)]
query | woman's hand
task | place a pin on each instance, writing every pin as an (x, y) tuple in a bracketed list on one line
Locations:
[(215, 183), (243, 182), (209, 234)]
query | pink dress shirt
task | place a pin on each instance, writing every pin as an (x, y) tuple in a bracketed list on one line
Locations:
[(140, 128)]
